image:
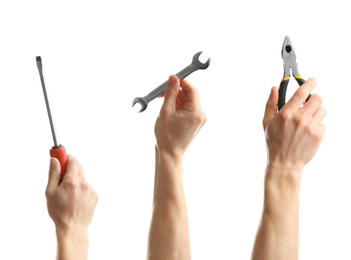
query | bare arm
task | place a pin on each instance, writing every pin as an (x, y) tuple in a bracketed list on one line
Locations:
[(293, 137), (179, 121), (278, 233), (169, 231)]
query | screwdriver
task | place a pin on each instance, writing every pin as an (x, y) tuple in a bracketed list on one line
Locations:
[(58, 151)]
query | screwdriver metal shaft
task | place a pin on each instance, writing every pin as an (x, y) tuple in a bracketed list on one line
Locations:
[(40, 68)]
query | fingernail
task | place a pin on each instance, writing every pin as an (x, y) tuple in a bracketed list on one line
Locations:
[(52, 162), (272, 90), (171, 80)]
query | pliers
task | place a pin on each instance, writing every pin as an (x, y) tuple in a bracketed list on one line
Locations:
[(289, 58)]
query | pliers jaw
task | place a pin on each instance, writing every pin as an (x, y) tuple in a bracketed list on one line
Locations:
[(289, 58)]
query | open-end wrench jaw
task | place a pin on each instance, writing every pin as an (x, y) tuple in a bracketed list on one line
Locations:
[(199, 64), (142, 103)]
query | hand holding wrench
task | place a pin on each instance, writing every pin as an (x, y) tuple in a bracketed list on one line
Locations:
[(194, 66)]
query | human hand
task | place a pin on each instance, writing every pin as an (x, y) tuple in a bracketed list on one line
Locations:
[(71, 204), (180, 117), (293, 134)]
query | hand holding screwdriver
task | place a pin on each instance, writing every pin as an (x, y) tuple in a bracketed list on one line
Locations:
[(71, 206), (58, 151)]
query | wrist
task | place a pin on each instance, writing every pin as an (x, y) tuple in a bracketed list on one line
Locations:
[(282, 181), (72, 243), (281, 192), (168, 178), (74, 236), (169, 155), (283, 173)]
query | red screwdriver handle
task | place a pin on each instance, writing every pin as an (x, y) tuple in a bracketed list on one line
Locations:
[(61, 156)]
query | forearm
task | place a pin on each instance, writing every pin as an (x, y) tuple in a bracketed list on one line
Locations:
[(278, 233), (72, 244), (169, 230)]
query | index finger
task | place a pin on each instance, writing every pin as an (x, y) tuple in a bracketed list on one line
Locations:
[(192, 95), (73, 168), (301, 95)]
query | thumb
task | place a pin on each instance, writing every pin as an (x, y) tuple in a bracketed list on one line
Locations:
[(171, 93), (271, 107), (54, 175)]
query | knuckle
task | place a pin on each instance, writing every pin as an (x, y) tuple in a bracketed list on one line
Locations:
[(317, 98), (72, 159), (204, 118), (197, 117), (269, 103), (300, 94), (76, 164), (299, 120), (323, 111), (285, 116), (309, 130), (84, 186), (322, 128), (318, 136), (306, 85), (321, 133), (296, 119), (196, 121), (170, 92), (315, 101), (71, 184), (96, 196)]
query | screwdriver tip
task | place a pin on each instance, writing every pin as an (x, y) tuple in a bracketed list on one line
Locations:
[(38, 58)]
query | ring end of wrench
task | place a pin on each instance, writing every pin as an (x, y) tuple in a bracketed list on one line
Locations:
[(142, 103)]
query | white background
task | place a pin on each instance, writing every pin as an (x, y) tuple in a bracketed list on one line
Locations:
[(99, 55)]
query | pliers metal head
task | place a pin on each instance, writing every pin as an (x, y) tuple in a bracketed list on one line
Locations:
[(289, 58)]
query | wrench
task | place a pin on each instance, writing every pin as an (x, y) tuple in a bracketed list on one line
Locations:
[(194, 66)]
